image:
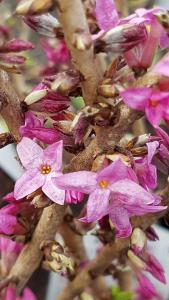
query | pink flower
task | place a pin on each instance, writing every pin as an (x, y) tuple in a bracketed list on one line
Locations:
[(146, 289), (106, 14), (152, 101), (73, 197), (34, 128), (9, 253), (9, 223), (162, 67), (161, 159), (114, 191), (11, 295), (41, 165), (142, 55), (145, 170)]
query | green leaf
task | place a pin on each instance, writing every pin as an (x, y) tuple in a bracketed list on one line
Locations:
[(119, 295), (78, 102)]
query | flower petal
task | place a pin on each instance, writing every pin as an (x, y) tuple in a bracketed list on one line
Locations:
[(29, 153), (136, 98), (97, 205), (53, 192), (116, 171), (29, 182), (82, 181), (120, 219), (130, 192), (53, 155), (106, 14)]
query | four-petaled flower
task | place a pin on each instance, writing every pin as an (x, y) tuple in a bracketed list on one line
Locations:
[(114, 191), (152, 101), (41, 165)]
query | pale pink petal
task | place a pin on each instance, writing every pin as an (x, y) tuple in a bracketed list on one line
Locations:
[(106, 14), (53, 192), (29, 153), (130, 192), (120, 219), (82, 181), (29, 182), (151, 147), (154, 114), (53, 155), (136, 98), (97, 205), (162, 67), (111, 174), (10, 294)]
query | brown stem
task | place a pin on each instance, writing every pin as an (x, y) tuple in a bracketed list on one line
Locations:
[(10, 106), (124, 278), (74, 23), (105, 257), (31, 256)]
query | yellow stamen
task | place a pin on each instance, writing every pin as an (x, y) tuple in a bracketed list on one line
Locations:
[(45, 169), (103, 184)]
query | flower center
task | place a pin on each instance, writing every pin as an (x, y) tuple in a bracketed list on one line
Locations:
[(45, 169), (153, 103), (103, 184)]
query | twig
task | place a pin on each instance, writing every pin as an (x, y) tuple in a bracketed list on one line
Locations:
[(10, 106), (31, 256), (76, 30)]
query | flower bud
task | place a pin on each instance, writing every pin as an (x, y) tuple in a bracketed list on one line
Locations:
[(35, 96), (135, 260), (32, 7), (138, 240), (65, 82), (44, 24)]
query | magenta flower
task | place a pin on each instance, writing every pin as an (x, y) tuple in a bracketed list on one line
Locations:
[(16, 45), (9, 223), (73, 197), (106, 14), (145, 170), (162, 67), (114, 191), (41, 165), (142, 55), (146, 289), (34, 128), (9, 252), (10, 294), (153, 102), (161, 159)]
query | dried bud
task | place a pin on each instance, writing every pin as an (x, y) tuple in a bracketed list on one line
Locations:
[(35, 96), (138, 141), (31, 7), (138, 240), (135, 260), (5, 138), (40, 201), (57, 258), (82, 40), (66, 82), (107, 90), (86, 296), (117, 155)]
